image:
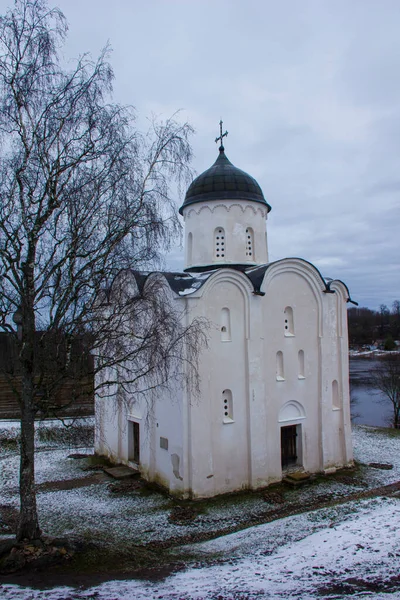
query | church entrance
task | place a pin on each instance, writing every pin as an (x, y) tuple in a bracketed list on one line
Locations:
[(289, 447), (133, 442)]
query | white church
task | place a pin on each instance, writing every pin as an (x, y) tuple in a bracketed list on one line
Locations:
[(274, 379)]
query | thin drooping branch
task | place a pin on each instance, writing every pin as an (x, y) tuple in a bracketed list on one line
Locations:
[(83, 196)]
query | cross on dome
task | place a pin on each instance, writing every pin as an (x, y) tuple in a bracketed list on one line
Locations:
[(221, 136)]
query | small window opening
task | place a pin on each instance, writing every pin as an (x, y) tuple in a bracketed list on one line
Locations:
[(289, 321), (335, 394), (250, 243), (301, 364), (227, 406), (133, 441), (225, 325), (190, 249), (164, 443), (279, 367), (219, 243)]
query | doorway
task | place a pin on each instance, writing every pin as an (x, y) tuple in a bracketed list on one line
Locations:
[(289, 446), (133, 441)]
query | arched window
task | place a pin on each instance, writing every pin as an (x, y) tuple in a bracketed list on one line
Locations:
[(301, 364), (190, 248), (335, 394), (219, 243), (280, 376), (250, 244), (225, 325), (289, 321), (227, 405)]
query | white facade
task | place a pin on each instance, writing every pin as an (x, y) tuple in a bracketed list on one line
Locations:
[(274, 379), (225, 233)]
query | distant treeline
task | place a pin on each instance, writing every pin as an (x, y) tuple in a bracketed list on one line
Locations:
[(375, 327)]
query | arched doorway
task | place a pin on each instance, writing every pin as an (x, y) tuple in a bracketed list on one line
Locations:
[(290, 417)]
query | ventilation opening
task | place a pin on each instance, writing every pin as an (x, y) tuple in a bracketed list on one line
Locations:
[(133, 442), (289, 322), (219, 243), (250, 244), (227, 406)]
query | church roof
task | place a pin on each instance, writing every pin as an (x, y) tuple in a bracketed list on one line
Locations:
[(184, 284), (223, 181)]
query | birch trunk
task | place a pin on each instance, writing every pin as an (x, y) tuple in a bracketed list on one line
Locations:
[(28, 526)]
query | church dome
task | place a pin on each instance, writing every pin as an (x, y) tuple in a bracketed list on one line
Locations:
[(223, 181)]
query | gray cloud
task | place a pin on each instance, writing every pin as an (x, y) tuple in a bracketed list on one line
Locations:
[(310, 94)]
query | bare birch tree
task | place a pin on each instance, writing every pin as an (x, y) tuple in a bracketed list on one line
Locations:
[(82, 195)]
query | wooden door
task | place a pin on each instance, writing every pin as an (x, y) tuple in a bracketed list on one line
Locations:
[(289, 445), (134, 442)]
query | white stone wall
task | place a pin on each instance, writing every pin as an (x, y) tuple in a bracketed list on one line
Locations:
[(219, 443), (234, 218), (209, 452), (263, 402), (292, 398)]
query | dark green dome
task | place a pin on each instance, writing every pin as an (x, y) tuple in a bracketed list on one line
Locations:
[(223, 181)]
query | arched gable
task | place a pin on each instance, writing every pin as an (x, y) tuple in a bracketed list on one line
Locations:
[(159, 281), (236, 278), (342, 296), (305, 270), (127, 282), (339, 286)]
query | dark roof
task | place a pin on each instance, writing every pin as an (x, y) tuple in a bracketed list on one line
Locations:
[(184, 284), (223, 181)]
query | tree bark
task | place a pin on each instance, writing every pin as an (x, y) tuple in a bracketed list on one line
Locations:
[(28, 526), (80, 189)]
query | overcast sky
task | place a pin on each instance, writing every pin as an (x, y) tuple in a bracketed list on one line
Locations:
[(310, 94)]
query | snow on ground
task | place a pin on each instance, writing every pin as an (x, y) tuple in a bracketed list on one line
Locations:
[(371, 445), (372, 353), (48, 466), (290, 557), (365, 547), (92, 513), (144, 518)]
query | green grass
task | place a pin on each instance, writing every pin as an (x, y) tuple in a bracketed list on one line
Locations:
[(9, 444), (79, 435), (94, 460), (388, 431)]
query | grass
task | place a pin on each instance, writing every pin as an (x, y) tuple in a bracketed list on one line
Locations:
[(73, 436), (390, 432), (148, 536), (125, 558), (93, 460), (9, 444), (50, 434)]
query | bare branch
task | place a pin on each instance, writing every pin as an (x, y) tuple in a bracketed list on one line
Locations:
[(83, 195)]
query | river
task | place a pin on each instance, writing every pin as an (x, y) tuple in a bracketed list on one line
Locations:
[(371, 407)]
